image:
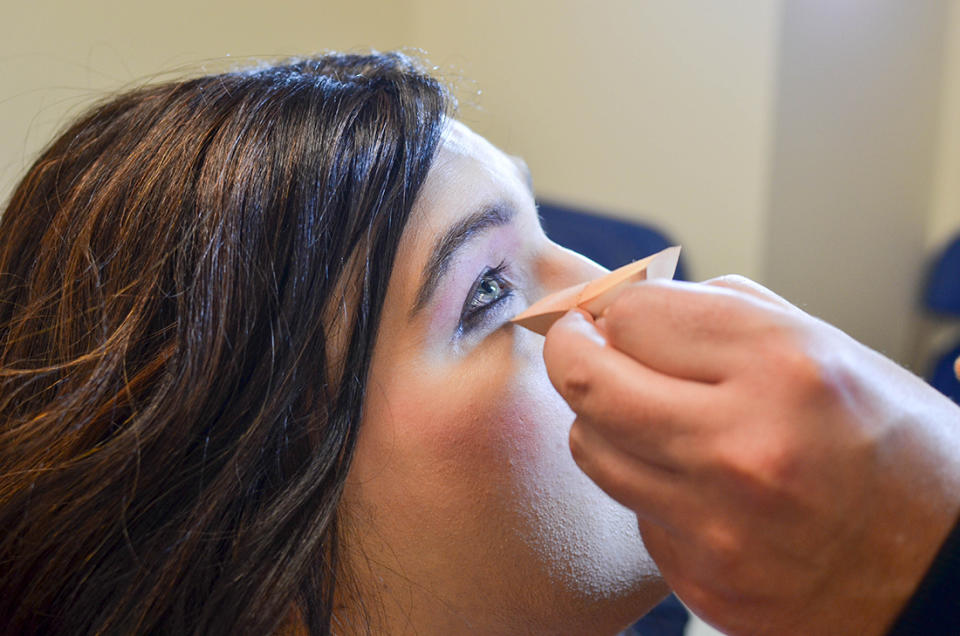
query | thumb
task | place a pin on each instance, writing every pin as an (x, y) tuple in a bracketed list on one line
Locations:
[(571, 343)]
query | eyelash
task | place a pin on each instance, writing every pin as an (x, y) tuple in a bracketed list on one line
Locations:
[(472, 315)]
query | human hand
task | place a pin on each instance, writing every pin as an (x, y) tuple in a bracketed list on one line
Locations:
[(786, 478)]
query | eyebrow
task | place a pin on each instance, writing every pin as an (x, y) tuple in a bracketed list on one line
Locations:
[(456, 236)]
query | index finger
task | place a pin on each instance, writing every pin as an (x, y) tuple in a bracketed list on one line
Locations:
[(689, 330)]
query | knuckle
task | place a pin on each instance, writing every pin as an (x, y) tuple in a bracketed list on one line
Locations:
[(577, 384), (763, 469), (786, 349), (723, 545), (776, 465), (804, 372), (625, 304), (730, 280), (622, 312), (617, 481), (576, 442), (636, 299)]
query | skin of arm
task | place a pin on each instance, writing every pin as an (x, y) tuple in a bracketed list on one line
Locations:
[(786, 478)]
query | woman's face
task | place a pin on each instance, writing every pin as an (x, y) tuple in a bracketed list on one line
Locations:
[(464, 508)]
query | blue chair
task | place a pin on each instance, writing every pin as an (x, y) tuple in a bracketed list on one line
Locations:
[(608, 241), (612, 243), (942, 378), (942, 297)]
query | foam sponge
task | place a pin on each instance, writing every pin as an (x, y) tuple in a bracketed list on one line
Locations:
[(596, 295)]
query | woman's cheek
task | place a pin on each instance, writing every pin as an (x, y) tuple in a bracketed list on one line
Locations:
[(499, 421), (478, 418), (471, 428)]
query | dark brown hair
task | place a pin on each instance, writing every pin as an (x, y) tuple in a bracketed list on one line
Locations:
[(191, 279)]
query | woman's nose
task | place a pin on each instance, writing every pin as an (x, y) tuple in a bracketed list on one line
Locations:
[(565, 268), (563, 275), (598, 291)]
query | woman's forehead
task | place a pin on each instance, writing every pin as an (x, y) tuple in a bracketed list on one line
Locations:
[(468, 173), (458, 139), (466, 169)]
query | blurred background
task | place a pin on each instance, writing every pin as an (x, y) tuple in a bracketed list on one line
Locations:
[(813, 145)]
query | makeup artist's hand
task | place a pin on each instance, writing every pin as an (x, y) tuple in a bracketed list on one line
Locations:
[(786, 479)]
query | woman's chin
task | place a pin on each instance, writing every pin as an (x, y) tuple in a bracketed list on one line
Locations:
[(592, 555)]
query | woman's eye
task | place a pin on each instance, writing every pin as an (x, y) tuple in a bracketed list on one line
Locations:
[(489, 290)]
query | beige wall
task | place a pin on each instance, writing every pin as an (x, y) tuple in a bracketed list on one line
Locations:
[(55, 56), (854, 147), (793, 141), (944, 221), (654, 110), (658, 110)]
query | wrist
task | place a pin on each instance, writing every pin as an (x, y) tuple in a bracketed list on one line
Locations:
[(934, 609)]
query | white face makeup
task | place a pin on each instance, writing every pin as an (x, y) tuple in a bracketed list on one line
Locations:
[(465, 511)]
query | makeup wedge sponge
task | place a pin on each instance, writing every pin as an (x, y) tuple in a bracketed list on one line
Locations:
[(594, 296)]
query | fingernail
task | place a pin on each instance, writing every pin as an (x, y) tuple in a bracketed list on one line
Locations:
[(601, 324)]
